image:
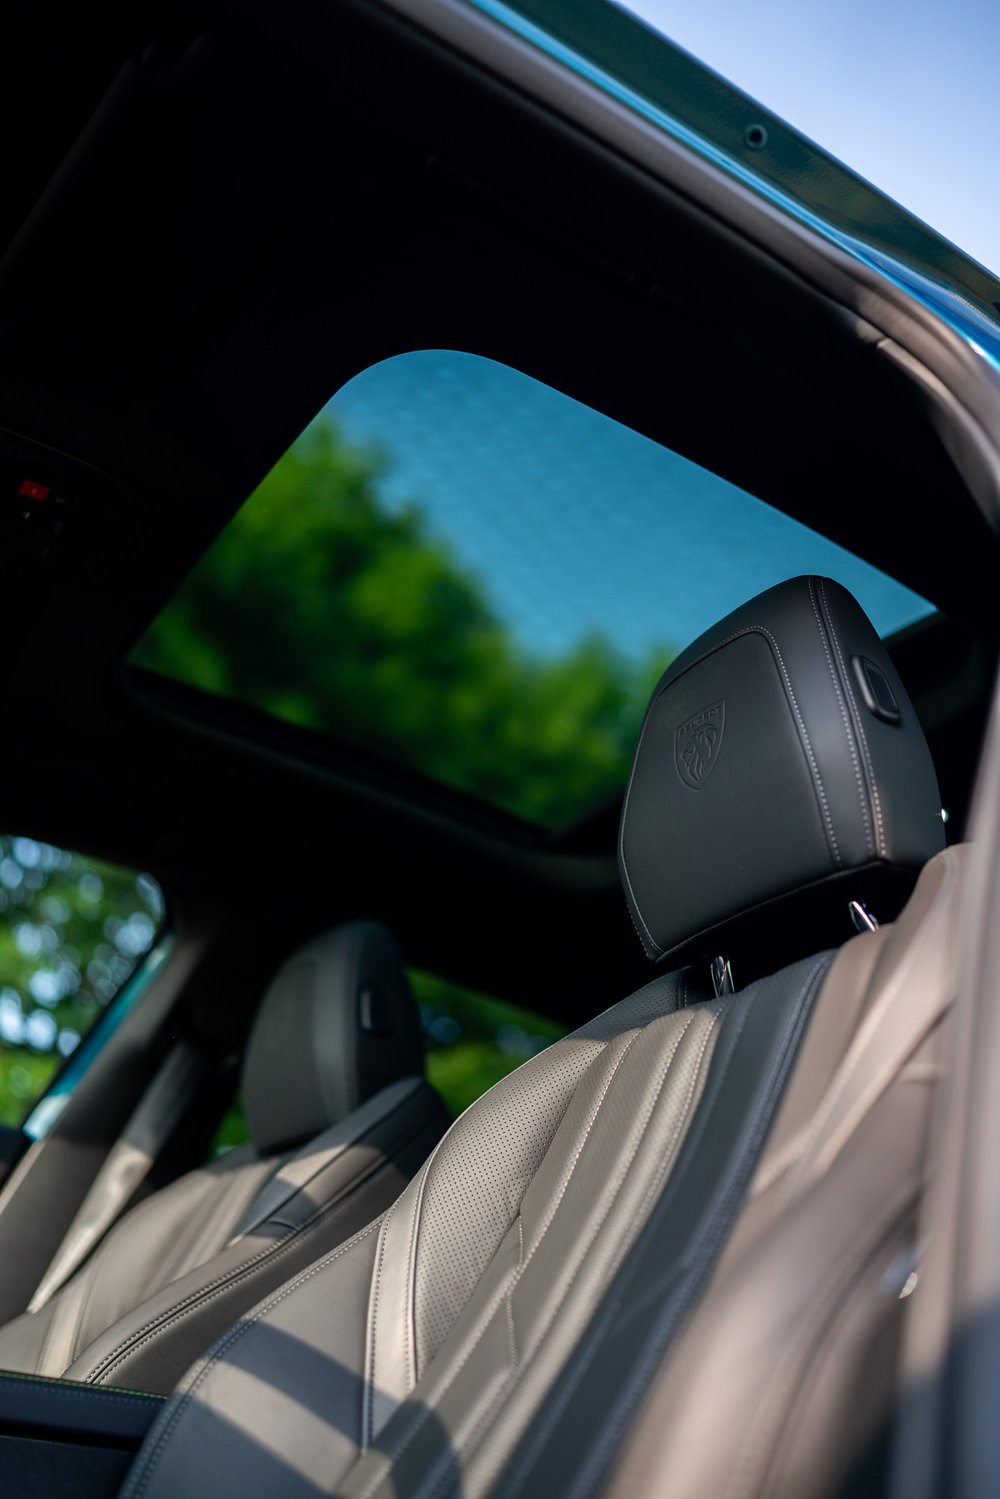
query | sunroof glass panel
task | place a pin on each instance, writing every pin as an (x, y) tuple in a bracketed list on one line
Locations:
[(465, 571)]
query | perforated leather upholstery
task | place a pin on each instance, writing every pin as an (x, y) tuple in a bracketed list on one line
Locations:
[(783, 1382), (417, 1354)]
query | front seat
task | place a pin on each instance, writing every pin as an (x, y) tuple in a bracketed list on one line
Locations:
[(340, 1118), (497, 1330)]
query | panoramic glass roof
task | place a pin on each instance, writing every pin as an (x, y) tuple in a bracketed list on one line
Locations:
[(464, 571)]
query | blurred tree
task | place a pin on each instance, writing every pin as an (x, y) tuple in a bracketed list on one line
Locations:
[(322, 606), (71, 933), (472, 1040)]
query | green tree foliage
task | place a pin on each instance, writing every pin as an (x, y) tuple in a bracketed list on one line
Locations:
[(71, 933), (322, 606), (472, 1040)]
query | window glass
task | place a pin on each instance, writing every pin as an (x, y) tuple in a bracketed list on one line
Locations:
[(232, 1130), (72, 931), (465, 571), (472, 1040)]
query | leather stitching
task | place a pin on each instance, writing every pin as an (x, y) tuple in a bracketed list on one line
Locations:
[(424, 1175), (168, 1318), (679, 1129), (500, 1394), (803, 736), (574, 1161), (490, 1311), (863, 800), (704, 1250), (72, 1308), (649, 947), (73, 1390), (198, 1299), (409, 1327), (859, 721), (140, 1482), (600, 1046), (511, 1332), (223, 1283), (663, 1171), (681, 1121), (648, 941), (488, 1314), (368, 1422)]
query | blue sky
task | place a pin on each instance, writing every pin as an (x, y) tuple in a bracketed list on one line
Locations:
[(903, 91), (573, 523), (576, 524)]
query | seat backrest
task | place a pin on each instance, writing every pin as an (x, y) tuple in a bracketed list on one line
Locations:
[(784, 1379), (502, 1323), (340, 1119)]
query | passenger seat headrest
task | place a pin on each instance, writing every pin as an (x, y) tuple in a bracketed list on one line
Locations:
[(337, 1023), (780, 772)]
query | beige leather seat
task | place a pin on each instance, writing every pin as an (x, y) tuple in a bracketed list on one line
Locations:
[(614, 1270), (340, 1119)]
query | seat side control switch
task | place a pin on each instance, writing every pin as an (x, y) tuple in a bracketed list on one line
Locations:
[(878, 695)]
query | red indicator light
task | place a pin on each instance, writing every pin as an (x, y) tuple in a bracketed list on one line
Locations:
[(33, 491)]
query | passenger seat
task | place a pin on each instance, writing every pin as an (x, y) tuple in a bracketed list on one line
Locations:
[(340, 1118), (499, 1329)]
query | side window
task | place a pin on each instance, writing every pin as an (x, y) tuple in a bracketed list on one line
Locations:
[(472, 1040), (72, 931)]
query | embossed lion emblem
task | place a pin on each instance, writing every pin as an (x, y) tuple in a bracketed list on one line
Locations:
[(697, 742)]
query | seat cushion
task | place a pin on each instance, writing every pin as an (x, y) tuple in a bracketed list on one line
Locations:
[(185, 1264), (333, 1059), (416, 1355)]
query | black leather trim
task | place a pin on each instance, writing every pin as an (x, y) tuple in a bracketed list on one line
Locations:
[(337, 1023), (575, 1433), (157, 1349), (761, 771), (59, 1410)]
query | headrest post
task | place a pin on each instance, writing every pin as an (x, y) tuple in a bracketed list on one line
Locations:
[(780, 771), (861, 916), (722, 977)]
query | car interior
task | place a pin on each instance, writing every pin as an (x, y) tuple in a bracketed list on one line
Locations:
[(500, 644)]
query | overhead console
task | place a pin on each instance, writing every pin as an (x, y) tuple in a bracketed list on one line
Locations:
[(59, 520)]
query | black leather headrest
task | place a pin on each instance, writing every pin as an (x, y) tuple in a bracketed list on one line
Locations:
[(780, 771), (337, 1023)]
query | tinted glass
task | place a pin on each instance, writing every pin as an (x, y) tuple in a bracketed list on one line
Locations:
[(465, 571), (72, 931)]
